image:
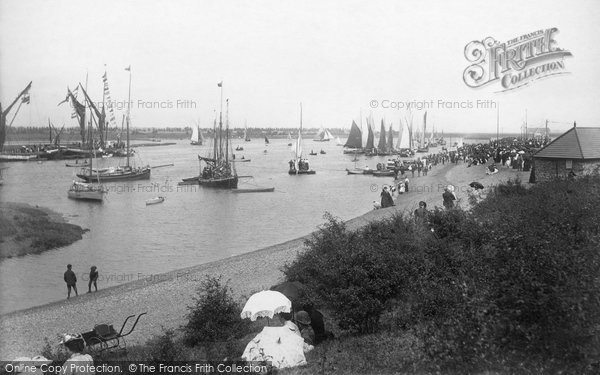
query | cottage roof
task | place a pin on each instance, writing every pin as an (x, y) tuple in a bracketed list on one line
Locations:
[(576, 143)]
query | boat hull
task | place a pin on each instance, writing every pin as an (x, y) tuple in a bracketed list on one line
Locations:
[(143, 174), (387, 173), (354, 151), (87, 195), (15, 157), (293, 172), (219, 183), (257, 190)]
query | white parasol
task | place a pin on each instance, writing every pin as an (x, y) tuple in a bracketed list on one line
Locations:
[(266, 304)]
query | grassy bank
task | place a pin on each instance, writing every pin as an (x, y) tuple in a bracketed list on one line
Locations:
[(25, 229), (510, 286)]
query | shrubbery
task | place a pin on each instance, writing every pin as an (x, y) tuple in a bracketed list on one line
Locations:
[(514, 279), (215, 316)]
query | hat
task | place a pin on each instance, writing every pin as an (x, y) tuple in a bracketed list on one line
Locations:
[(70, 337), (302, 317)]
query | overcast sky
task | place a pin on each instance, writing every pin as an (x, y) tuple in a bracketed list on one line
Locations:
[(333, 56)]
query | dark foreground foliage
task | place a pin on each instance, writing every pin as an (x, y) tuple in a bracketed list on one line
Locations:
[(515, 280)]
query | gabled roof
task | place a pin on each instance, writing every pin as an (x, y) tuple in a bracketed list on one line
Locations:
[(576, 143)]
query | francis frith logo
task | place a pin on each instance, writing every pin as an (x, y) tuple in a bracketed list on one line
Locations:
[(514, 63)]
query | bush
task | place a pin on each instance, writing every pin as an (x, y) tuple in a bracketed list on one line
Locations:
[(162, 348), (354, 274), (514, 280), (215, 315)]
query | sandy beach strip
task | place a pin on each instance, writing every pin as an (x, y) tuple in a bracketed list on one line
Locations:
[(166, 296)]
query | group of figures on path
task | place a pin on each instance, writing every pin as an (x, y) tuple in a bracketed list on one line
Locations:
[(71, 280)]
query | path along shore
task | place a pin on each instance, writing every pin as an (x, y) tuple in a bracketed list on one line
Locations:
[(166, 296)]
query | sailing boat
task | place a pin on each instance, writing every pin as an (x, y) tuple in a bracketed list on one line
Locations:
[(404, 141), (423, 145), (297, 164), (323, 136), (219, 172), (370, 146), (196, 139), (88, 191), (120, 173), (381, 147), (338, 141), (289, 139), (354, 142), (246, 136), (266, 140)]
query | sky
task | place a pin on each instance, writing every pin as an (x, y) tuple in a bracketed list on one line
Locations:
[(334, 57)]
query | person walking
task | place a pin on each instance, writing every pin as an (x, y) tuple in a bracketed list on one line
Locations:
[(93, 279), (386, 198), (406, 184), (71, 280), (411, 168), (449, 197)]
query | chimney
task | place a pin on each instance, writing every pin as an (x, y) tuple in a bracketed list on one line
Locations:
[(574, 124)]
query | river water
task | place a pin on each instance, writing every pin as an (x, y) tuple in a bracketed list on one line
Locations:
[(129, 240)]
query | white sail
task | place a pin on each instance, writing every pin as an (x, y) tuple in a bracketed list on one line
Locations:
[(404, 139), (194, 138), (328, 135), (338, 141)]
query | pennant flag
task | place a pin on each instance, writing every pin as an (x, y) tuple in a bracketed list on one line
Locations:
[(220, 84), (109, 104), (128, 68), (25, 99)]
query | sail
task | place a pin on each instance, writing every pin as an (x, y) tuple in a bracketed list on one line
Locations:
[(390, 140), (404, 137), (370, 138), (338, 141), (266, 139), (328, 135), (424, 129), (382, 142), (355, 137), (194, 138)]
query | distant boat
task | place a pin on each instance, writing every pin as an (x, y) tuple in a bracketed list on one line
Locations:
[(155, 200), (121, 173), (246, 136), (239, 148), (196, 138), (312, 153), (219, 172), (88, 191), (338, 141), (354, 142), (85, 163), (297, 164), (323, 136), (382, 146), (254, 190), (370, 149), (289, 139), (266, 140), (322, 152)]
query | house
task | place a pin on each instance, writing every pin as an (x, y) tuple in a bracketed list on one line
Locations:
[(576, 151)]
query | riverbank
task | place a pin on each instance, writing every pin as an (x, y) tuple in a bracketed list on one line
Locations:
[(25, 229), (166, 296)]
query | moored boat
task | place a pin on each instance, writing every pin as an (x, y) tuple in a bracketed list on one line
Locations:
[(254, 190), (155, 200), (298, 165)]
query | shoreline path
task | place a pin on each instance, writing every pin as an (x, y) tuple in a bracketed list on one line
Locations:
[(166, 296)]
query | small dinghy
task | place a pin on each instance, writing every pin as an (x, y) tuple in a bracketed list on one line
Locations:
[(155, 200)]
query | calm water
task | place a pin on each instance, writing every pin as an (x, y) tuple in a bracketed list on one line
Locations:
[(129, 240)]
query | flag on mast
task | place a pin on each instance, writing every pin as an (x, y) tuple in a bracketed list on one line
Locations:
[(220, 84), (128, 68)]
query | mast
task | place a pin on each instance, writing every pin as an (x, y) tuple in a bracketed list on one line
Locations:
[(227, 131), (4, 113), (220, 153), (215, 137), (497, 125), (128, 112)]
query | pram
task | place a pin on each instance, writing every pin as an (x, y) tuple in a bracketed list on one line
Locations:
[(105, 337)]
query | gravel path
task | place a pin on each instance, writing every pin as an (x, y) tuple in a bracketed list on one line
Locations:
[(167, 296)]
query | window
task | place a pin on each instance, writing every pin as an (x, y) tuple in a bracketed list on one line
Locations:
[(569, 164)]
